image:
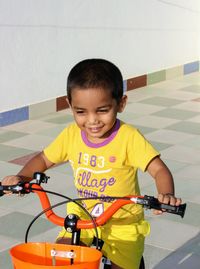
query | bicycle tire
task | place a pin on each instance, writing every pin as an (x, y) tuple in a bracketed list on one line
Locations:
[(142, 265)]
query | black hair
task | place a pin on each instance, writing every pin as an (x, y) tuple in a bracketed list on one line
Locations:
[(96, 73)]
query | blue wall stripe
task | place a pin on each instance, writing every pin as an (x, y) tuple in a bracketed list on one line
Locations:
[(191, 67), (13, 116)]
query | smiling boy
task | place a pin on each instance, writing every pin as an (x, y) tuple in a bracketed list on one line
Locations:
[(105, 154)]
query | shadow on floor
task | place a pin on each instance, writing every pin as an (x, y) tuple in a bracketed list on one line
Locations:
[(186, 257)]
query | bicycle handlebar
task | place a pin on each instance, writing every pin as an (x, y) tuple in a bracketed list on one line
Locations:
[(146, 201)]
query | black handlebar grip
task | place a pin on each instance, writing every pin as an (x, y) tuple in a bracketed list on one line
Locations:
[(152, 202), (179, 210), (1, 190), (18, 188)]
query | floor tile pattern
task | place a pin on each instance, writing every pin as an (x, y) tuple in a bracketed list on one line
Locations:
[(168, 114)]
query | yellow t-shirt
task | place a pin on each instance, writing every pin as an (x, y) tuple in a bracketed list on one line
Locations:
[(105, 169)]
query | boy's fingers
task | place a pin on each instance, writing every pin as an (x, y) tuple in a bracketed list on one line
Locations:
[(169, 199), (178, 201), (157, 212)]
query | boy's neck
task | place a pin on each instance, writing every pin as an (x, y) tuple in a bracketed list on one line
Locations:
[(104, 141)]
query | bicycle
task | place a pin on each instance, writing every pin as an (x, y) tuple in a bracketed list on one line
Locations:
[(50, 255)]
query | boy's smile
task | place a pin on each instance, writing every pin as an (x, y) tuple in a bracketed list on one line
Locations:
[(95, 112)]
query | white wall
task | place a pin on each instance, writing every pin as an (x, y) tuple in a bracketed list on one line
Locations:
[(40, 40)]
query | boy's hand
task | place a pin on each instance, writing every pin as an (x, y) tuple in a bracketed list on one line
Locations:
[(10, 180), (167, 199)]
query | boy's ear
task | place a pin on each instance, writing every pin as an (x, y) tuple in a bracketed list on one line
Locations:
[(122, 103)]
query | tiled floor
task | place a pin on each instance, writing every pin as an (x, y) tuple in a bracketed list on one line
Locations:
[(168, 113)]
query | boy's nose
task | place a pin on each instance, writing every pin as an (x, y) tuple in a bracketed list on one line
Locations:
[(92, 119)]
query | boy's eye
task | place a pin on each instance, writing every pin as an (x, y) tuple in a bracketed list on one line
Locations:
[(79, 112), (105, 110)]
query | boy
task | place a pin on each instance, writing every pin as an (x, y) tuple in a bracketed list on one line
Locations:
[(105, 154)]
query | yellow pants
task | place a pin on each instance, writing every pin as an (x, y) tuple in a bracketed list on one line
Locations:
[(123, 244)]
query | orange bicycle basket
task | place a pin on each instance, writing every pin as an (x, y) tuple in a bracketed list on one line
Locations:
[(48, 256)]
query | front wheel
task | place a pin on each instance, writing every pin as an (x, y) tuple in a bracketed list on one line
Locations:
[(142, 266)]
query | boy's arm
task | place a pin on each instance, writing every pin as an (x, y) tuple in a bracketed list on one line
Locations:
[(164, 182), (39, 163)]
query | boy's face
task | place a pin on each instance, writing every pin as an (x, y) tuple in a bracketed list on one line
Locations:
[(95, 112)]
